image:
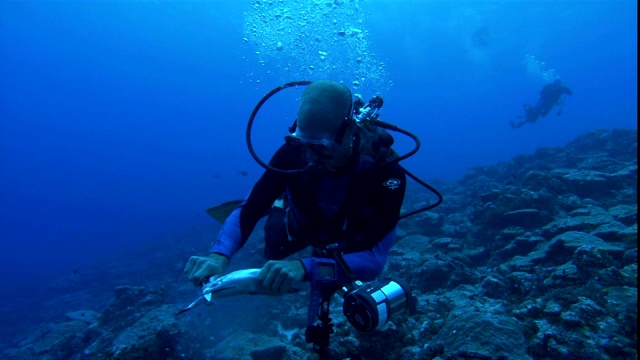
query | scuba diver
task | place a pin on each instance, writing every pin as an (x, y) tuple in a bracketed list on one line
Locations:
[(334, 185), (549, 97)]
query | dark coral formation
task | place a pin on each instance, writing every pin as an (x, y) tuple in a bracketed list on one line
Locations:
[(535, 258)]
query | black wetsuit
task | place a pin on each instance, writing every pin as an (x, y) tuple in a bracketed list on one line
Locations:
[(549, 97), (358, 209)]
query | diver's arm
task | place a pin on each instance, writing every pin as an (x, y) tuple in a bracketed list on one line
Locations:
[(365, 265), (238, 226), (229, 239), (368, 265)]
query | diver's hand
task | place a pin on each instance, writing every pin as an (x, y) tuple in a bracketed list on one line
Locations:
[(280, 275), (200, 268)]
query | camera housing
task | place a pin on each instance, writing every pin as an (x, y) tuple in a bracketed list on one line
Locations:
[(371, 305)]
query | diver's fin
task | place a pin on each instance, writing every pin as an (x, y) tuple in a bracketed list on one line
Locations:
[(221, 212)]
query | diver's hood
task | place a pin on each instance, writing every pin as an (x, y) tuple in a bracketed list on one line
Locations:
[(324, 106)]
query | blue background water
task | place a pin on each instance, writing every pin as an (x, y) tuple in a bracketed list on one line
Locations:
[(122, 121)]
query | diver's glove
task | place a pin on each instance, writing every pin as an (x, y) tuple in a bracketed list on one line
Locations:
[(201, 268)]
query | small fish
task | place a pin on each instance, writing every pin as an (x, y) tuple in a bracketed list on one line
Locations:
[(235, 283), (243, 173), (241, 282)]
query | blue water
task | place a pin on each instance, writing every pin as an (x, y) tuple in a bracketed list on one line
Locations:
[(122, 121)]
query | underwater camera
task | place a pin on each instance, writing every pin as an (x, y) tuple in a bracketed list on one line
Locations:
[(369, 306)]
